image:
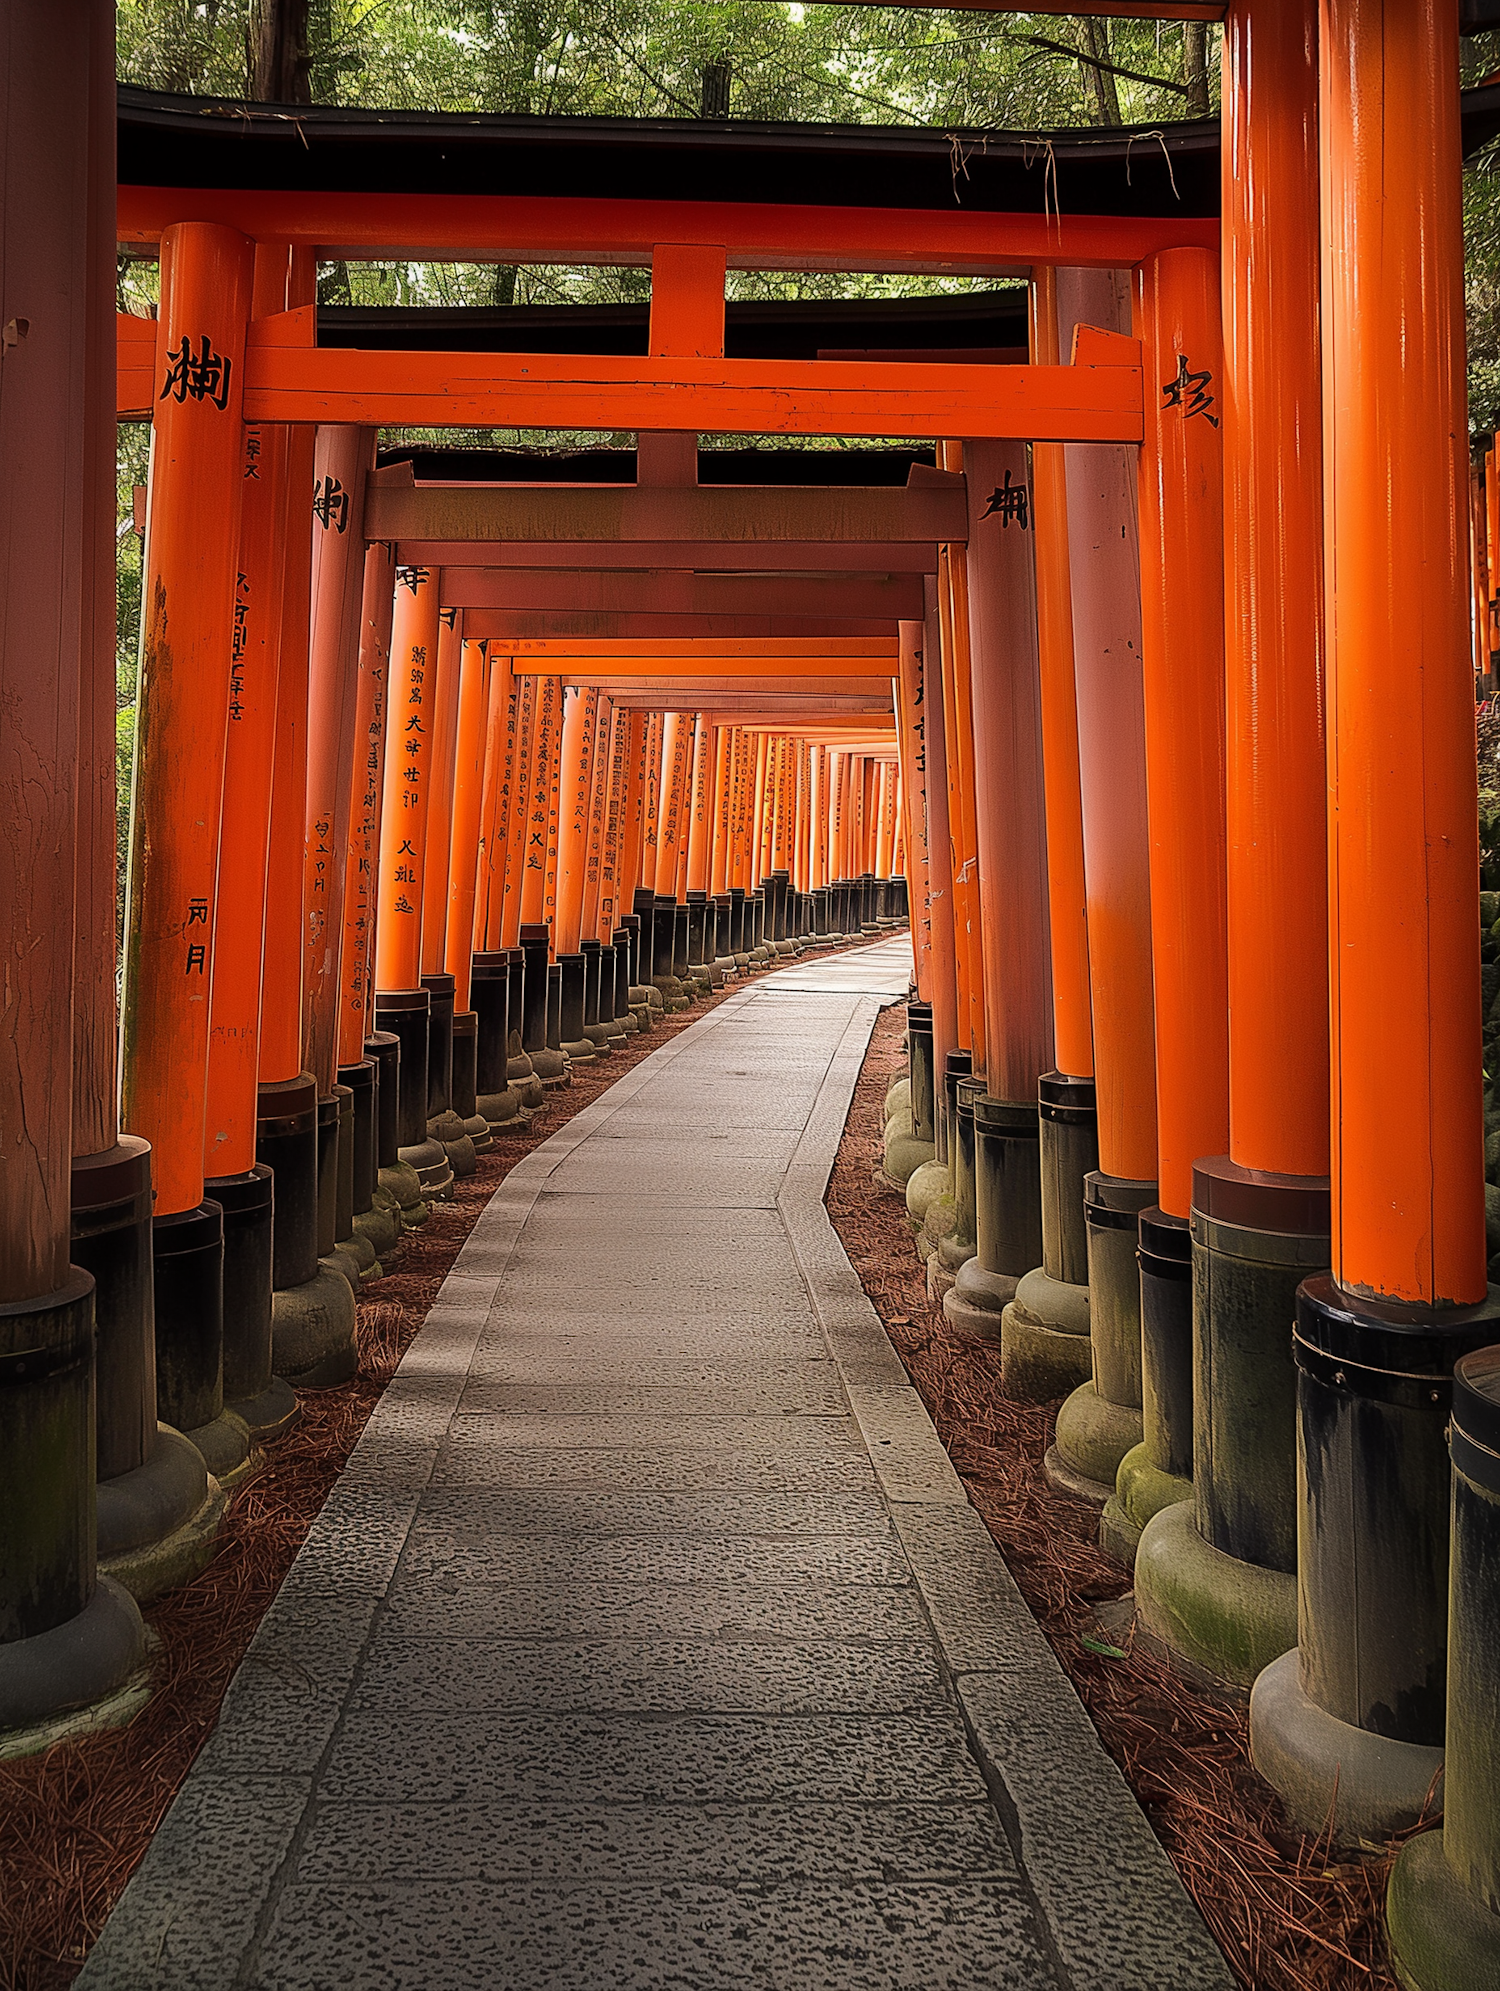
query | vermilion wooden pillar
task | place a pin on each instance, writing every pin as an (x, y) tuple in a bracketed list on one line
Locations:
[(188, 584), (1408, 1287), (402, 1004), (1260, 1207), (440, 820), (1101, 1421), (499, 774), (579, 727), (470, 729), (65, 1640), (547, 696), (313, 1305), (359, 1044), (519, 811), (1180, 486), (111, 1173), (240, 1184), (611, 906), (356, 1014)]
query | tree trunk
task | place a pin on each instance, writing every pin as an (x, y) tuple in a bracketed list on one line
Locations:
[(1098, 84), (279, 66), (1195, 68)]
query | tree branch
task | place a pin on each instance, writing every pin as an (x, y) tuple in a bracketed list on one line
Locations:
[(1096, 62)]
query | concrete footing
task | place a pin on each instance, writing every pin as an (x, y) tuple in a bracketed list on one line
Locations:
[(1227, 1618), (433, 1169), (77, 1663), (1324, 1769), (1093, 1435), (313, 1342), (150, 1571), (270, 1413), (1045, 1350), (1142, 1491), (974, 1306), (381, 1227), (226, 1448), (156, 1525), (1443, 1937)]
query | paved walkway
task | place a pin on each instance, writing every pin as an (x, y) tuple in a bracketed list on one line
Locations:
[(648, 1639)]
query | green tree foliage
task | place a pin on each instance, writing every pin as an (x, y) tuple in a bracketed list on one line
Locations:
[(646, 58)]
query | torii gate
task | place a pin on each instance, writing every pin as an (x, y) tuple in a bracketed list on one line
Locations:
[(1195, 995)]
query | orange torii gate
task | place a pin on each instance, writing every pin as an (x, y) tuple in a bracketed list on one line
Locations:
[(1184, 991)]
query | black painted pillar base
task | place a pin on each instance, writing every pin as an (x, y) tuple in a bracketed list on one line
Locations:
[(187, 1251), (439, 1045), (1101, 1421), (264, 1402), (1219, 1585), (67, 1637), (362, 1081), (466, 1080), (1353, 1721), (405, 1013), (1158, 1473), (1443, 1907), (571, 1040)]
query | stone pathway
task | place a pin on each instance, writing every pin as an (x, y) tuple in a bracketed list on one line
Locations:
[(648, 1639)]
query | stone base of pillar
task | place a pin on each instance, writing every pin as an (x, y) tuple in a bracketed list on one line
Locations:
[(521, 1076), (977, 1290), (1142, 1491), (227, 1449), (1228, 1619), (551, 1067), (940, 1221), (1370, 1786), (156, 1525), (313, 1341), (602, 1037), (1045, 1351), (149, 1572), (75, 1665), (898, 1098), (401, 1181), (1093, 1435), (270, 1413), (939, 1276), (433, 1169), (367, 1260), (1064, 1477), (501, 1111), (904, 1154), (924, 1186), (346, 1265), (451, 1135), (579, 1051), (381, 1225), (1442, 1936)]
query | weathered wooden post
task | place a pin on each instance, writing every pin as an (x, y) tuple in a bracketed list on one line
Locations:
[(67, 1638)]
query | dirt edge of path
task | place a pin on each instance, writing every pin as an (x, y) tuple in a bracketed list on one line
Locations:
[(1287, 1916)]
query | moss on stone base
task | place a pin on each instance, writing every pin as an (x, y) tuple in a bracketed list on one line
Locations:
[(1228, 1618), (1093, 1434)]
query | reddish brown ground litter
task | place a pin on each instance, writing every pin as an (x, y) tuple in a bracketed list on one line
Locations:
[(1287, 1917), (75, 1822)]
